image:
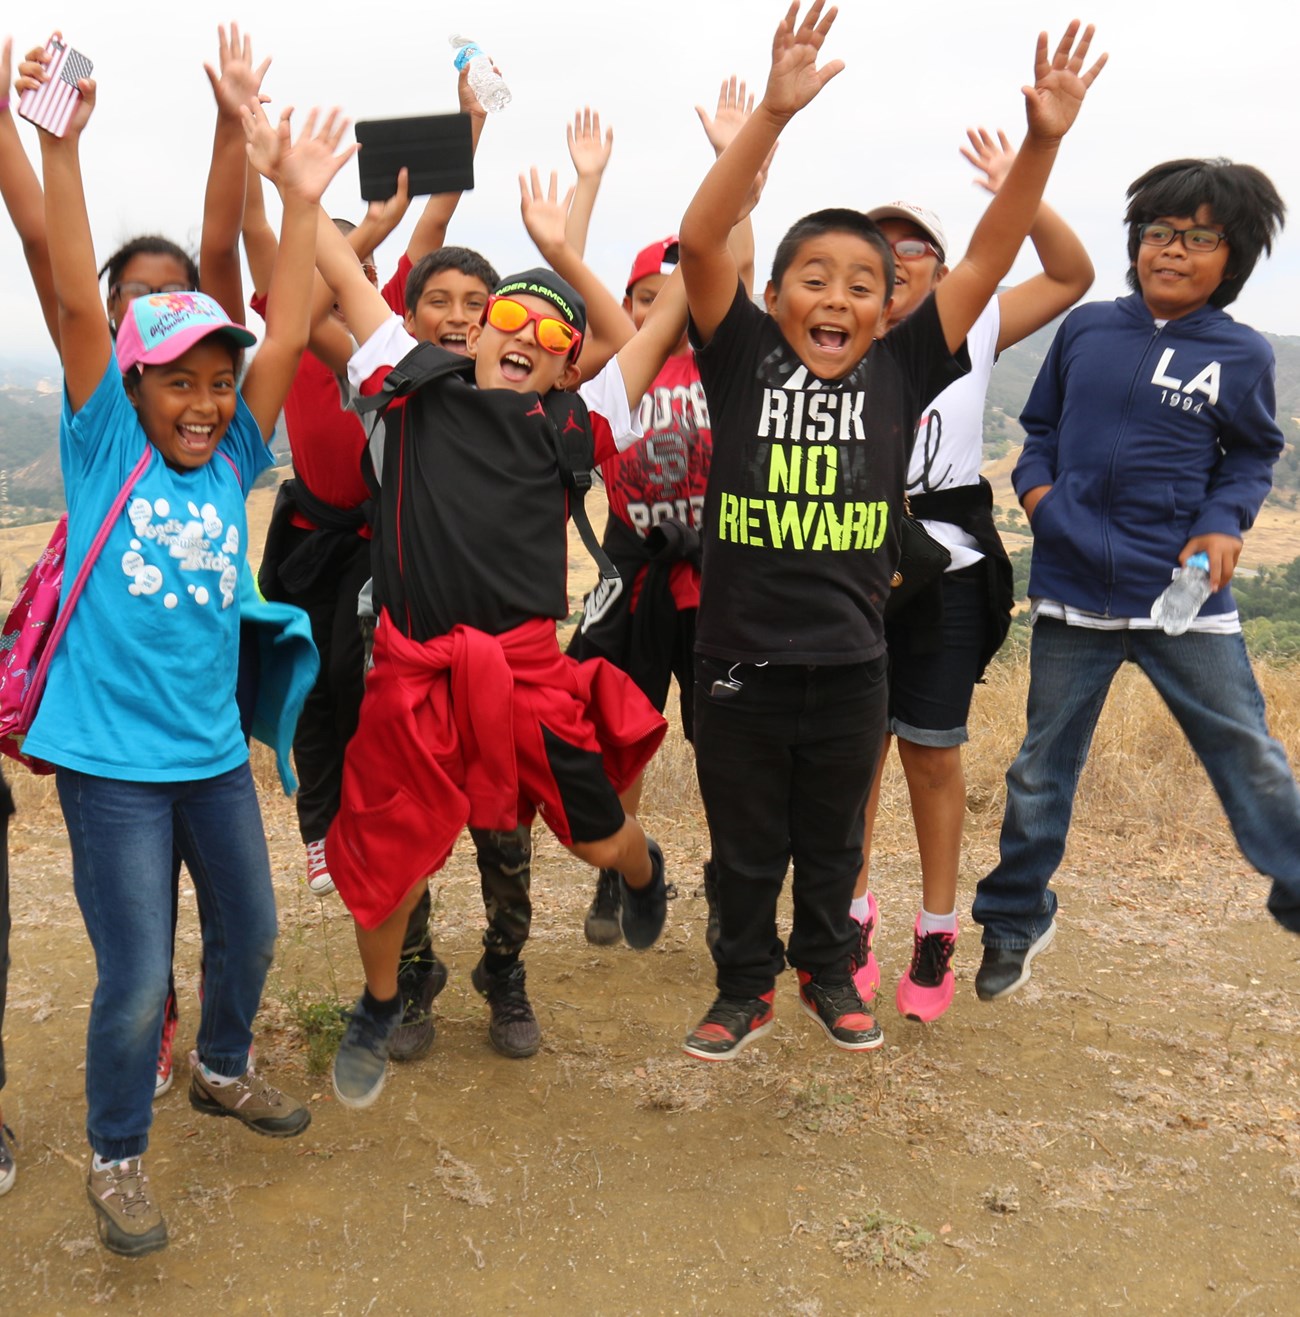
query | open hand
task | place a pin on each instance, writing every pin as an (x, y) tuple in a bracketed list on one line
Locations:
[(992, 158), (734, 107), (795, 79), (387, 215), (544, 216), (589, 154), (238, 83), (33, 74), (1052, 104)]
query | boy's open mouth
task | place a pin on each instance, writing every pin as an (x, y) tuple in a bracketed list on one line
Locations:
[(516, 367), (829, 337), (454, 341)]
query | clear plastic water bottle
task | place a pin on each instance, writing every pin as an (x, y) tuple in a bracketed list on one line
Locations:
[(485, 82), (1182, 600)]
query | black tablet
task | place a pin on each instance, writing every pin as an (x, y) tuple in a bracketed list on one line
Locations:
[(436, 149)]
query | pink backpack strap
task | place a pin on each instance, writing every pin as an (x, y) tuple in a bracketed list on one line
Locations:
[(33, 697)]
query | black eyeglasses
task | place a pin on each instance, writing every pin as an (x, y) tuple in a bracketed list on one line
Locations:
[(1195, 239), (132, 289)]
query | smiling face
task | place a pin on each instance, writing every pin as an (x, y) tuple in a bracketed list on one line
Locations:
[(187, 405), (151, 270), (451, 304), (831, 303), (914, 280), (516, 360), (1174, 281)]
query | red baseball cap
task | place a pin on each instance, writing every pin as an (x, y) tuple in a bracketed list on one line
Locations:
[(657, 258)]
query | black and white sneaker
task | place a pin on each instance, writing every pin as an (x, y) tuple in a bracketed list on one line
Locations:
[(1005, 969)]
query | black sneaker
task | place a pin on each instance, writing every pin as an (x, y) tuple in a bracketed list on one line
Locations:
[(513, 1030), (1005, 969), (729, 1026), (712, 928), (601, 924), (419, 980), (839, 1009), (644, 909), (362, 1059)]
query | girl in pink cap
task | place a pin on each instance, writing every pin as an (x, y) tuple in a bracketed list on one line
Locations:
[(139, 713)]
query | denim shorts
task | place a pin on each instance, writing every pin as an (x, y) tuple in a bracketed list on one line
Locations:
[(930, 693)]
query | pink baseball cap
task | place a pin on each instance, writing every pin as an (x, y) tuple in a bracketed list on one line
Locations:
[(657, 258), (163, 326)]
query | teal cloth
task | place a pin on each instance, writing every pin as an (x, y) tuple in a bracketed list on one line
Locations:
[(288, 667)]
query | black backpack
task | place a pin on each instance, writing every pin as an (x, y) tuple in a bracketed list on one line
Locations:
[(574, 445)]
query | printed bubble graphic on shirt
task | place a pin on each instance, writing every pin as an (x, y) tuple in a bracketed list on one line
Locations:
[(192, 543)]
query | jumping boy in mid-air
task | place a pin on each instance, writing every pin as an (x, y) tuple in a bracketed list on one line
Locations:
[(471, 713), (1150, 436), (813, 421)]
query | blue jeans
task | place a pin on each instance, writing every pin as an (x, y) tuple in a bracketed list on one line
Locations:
[(1207, 682), (122, 836)]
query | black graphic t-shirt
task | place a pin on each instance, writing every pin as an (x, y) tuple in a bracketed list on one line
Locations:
[(806, 487)]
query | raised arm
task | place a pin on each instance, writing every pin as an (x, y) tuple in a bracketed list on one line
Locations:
[(21, 190), (735, 105), (302, 170), (590, 155), (1067, 270), (84, 339), (1052, 104), (430, 230), (608, 326), (236, 82), (361, 303), (707, 263)]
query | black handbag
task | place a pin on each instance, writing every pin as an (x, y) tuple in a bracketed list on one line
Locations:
[(922, 560)]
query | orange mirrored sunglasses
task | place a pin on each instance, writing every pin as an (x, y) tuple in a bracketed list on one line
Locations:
[(509, 316)]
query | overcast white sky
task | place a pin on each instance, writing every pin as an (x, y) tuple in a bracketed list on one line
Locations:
[(1186, 77)]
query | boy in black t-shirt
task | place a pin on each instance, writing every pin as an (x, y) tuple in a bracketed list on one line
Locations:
[(813, 422)]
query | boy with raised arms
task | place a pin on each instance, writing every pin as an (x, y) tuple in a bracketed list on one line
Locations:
[(813, 421)]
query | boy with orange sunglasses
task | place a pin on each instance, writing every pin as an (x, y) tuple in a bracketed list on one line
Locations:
[(471, 712)]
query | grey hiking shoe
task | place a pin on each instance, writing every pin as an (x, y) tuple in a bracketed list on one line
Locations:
[(249, 1099), (514, 1030), (361, 1062), (601, 925), (129, 1221), (419, 981)]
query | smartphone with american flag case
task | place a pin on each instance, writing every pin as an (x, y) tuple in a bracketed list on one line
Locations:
[(52, 104)]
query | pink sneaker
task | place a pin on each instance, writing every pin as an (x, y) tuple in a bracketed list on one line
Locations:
[(163, 1076), (862, 963), (925, 991)]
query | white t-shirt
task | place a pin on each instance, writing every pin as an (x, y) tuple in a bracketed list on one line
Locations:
[(950, 437)]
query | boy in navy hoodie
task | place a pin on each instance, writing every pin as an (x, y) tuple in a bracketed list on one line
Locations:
[(1150, 436)]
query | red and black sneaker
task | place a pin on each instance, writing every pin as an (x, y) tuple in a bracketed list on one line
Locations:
[(730, 1025), (839, 1009)]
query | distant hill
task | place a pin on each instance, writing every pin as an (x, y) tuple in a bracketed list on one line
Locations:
[(31, 489)]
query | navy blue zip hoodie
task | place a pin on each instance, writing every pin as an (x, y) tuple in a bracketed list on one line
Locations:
[(1148, 436)]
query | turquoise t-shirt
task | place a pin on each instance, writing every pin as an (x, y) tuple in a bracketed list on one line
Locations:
[(142, 687)]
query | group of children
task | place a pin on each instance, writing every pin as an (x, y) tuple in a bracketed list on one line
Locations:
[(756, 459)]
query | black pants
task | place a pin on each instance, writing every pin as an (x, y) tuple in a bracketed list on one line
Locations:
[(785, 765), (329, 716), (6, 810)]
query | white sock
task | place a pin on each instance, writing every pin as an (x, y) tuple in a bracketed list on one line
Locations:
[(103, 1163), (861, 907), (938, 923), (216, 1080)]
